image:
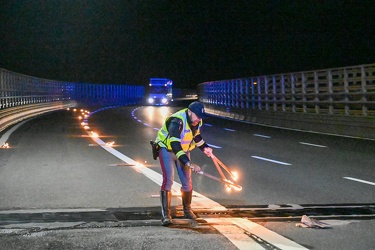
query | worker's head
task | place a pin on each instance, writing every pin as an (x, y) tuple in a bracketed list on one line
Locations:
[(196, 112)]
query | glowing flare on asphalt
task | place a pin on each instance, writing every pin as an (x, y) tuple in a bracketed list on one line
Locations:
[(93, 134), (235, 175)]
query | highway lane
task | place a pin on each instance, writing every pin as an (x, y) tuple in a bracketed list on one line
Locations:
[(83, 178), (307, 170), (276, 166)]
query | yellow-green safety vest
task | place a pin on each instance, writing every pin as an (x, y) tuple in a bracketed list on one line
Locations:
[(186, 136)]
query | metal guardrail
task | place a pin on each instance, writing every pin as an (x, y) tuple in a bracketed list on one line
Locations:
[(13, 115), (348, 91), (23, 96)]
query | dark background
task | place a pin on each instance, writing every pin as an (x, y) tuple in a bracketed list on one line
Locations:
[(190, 42)]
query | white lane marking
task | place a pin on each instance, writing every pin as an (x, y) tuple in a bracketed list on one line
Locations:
[(359, 180), (236, 235), (213, 146), (203, 202), (5, 136), (228, 129), (262, 234), (263, 136), (206, 124), (314, 145), (270, 160)]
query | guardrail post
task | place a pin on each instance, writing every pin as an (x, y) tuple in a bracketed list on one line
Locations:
[(364, 91), (265, 78), (259, 85), (303, 84), (346, 91), (247, 105), (293, 92), (275, 95), (316, 92), (330, 92)]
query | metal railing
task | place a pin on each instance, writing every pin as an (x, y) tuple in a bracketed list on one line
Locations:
[(23, 96), (17, 89), (348, 91)]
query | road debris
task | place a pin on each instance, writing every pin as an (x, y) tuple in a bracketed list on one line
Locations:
[(307, 222)]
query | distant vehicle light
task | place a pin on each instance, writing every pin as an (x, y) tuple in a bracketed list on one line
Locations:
[(151, 100), (164, 100)]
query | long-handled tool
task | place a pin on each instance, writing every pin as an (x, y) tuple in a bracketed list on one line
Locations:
[(224, 181), (219, 164), (228, 183)]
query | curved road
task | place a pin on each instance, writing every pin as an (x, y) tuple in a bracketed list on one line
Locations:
[(53, 164)]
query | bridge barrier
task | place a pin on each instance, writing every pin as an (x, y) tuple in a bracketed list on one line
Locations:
[(22, 96), (335, 101), (16, 114)]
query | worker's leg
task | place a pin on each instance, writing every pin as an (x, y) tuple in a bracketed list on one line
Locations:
[(186, 190), (166, 163)]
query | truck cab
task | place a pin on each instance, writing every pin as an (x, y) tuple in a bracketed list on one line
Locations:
[(160, 91)]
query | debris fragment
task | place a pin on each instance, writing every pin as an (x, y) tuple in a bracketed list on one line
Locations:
[(308, 222)]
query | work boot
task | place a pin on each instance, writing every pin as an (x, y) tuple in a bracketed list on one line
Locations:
[(165, 198), (186, 203)]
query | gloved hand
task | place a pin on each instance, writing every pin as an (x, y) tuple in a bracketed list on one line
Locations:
[(195, 167), (207, 151)]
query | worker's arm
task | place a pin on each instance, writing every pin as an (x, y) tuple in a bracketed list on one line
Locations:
[(174, 129)]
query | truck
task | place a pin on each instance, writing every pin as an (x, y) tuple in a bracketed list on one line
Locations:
[(160, 91)]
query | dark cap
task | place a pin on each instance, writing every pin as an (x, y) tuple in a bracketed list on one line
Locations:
[(198, 109)]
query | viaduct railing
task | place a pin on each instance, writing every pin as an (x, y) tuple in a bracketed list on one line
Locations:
[(342, 100), (23, 96)]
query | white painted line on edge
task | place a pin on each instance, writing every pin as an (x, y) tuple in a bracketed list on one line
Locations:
[(228, 129), (262, 235), (202, 202), (263, 136), (270, 160), (314, 145), (359, 180), (5, 136)]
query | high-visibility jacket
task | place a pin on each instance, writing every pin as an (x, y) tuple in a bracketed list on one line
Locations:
[(186, 136)]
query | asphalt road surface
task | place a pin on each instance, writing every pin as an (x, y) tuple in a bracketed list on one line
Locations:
[(55, 169)]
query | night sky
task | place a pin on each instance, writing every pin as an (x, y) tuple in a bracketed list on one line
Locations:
[(190, 42)]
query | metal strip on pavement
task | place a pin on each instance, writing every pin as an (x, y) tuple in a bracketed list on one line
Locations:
[(203, 202)]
